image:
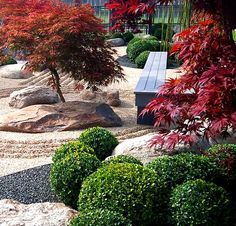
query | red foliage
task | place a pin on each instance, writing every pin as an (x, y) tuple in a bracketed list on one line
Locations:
[(59, 36), (129, 12), (201, 103)]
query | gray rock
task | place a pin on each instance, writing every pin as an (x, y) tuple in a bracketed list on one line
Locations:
[(115, 42), (111, 98), (138, 148), (33, 95), (71, 115), (13, 213), (14, 71)]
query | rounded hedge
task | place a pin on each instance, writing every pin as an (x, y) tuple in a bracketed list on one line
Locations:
[(128, 36), (100, 140), (130, 189), (225, 156), (200, 203), (142, 58), (116, 35), (100, 217), (71, 146), (174, 170), (121, 159), (133, 40), (139, 46), (69, 168)]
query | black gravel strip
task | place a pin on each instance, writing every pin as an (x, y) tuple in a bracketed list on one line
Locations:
[(28, 186)]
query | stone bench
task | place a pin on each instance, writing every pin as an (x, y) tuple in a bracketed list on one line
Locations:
[(152, 77)]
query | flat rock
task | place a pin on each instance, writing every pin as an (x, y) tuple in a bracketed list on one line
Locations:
[(115, 42), (33, 95), (13, 213), (71, 115), (14, 71)]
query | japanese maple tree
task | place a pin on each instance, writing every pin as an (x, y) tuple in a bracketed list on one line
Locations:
[(129, 13), (202, 102), (59, 37)]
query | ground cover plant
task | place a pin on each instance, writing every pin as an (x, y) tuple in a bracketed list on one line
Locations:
[(201, 103), (71, 42)]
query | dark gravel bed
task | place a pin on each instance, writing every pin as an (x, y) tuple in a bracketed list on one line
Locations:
[(28, 186)]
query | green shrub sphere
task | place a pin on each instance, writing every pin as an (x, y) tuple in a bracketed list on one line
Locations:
[(174, 170), (100, 217), (101, 140), (130, 189), (128, 36), (121, 159), (139, 46), (141, 59), (200, 203), (69, 168)]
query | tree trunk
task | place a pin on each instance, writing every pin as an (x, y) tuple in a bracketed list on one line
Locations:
[(56, 80)]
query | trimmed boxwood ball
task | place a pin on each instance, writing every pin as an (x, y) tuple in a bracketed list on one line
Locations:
[(127, 36), (174, 170), (138, 47), (100, 140), (100, 217), (121, 159), (141, 59), (133, 40), (130, 189), (71, 146), (200, 203), (69, 168), (116, 35)]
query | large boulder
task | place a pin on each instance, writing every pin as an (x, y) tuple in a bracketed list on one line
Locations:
[(14, 71), (66, 116), (33, 95), (13, 213), (138, 147), (115, 42)]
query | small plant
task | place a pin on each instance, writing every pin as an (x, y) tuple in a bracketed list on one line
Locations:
[(160, 31), (121, 159), (183, 167), (117, 35), (100, 140), (130, 189), (127, 36), (8, 61), (200, 203), (100, 217), (225, 156), (138, 47), (142, 58), (72, 163)]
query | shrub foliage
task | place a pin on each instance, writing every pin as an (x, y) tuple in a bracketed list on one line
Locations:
[(72, 163), (100, 140), (129, 189), (142, 58), (121, 159), (200, 203), (100, 217)]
